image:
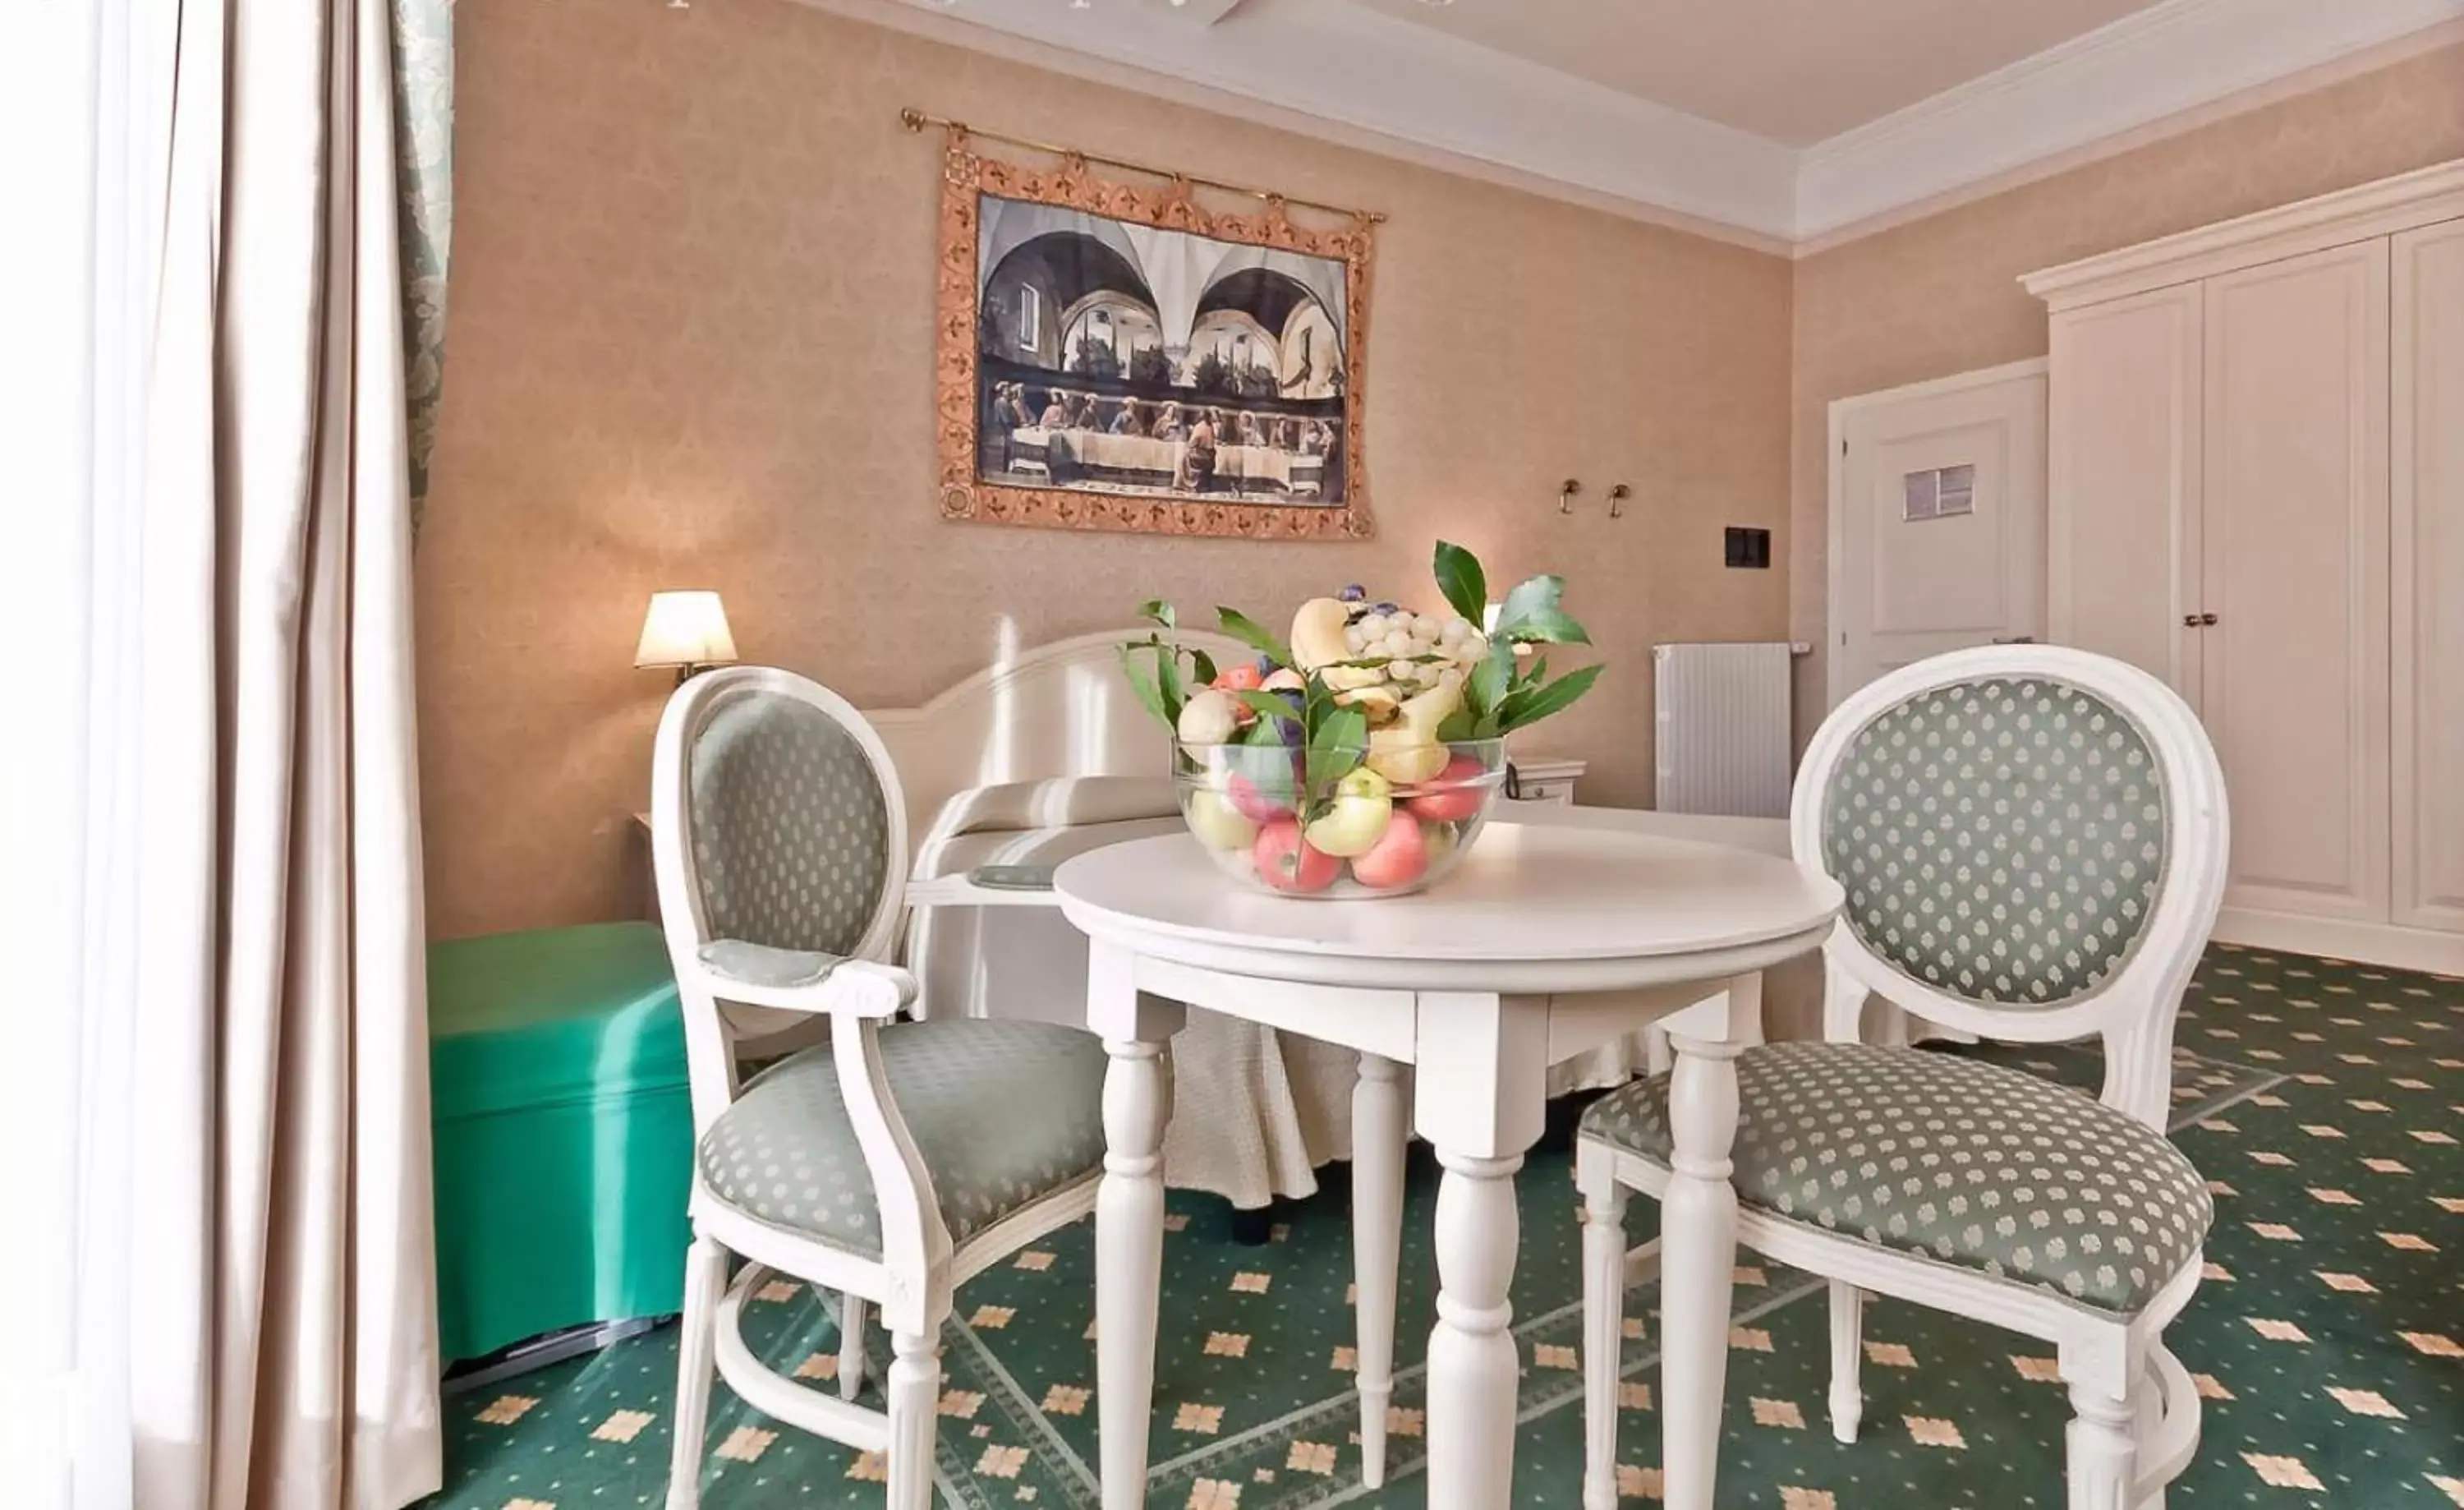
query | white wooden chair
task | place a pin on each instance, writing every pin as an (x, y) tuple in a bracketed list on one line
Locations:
[(890, 1162), (2033, 842)]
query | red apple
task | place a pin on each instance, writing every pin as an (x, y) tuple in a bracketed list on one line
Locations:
[(1399, 858), (1456, 794), (1287, 862), (1251, 802)]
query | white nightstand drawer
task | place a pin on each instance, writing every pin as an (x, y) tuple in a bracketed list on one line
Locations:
[(1542, 778), (1560, 790)]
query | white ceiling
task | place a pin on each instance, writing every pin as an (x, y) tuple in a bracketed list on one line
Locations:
[(1793, 71), (1782, 122)]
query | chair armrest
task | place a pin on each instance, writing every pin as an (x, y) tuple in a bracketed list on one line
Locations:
[(802, 980)]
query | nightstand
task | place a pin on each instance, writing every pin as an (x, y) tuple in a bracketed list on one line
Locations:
[(1542, 778)]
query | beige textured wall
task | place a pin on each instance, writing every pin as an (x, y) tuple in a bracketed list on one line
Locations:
[(690, 346), (1941, 295)]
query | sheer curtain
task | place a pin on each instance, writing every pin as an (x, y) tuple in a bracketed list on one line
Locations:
[(235, 1080)]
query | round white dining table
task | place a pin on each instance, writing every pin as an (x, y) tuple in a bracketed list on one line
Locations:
[(1544, 942)]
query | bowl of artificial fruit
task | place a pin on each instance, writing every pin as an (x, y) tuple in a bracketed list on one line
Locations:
[(1361, 756)]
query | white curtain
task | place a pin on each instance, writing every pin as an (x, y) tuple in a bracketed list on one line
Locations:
[(243, 1262)]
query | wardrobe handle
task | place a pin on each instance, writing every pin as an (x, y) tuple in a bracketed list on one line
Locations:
[(2189, 621), (2207, 618)]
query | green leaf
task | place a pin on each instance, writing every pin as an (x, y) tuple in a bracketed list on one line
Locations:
[(1531, 612), (1458, 725), (1335, 746), (1461, 580), (1549, 626), (1270, 704), (1241, 627), (1158, 609), (1263, 731), (1142, 685), (1554, 697), (1485, 688), (1201, 666), (1317, 703), (1167, 668)]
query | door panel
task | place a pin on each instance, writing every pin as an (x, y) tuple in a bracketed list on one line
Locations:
[(2293, 548), (1941, 532), (2122, 517), (2427, 595)]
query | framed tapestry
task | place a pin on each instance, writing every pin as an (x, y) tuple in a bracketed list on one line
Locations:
[(1118, 357)]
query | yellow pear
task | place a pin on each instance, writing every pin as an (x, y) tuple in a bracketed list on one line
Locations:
[(1407, 750), (1317, 633)]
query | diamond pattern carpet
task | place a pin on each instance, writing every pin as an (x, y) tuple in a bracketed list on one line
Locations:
[(2324, 1102)]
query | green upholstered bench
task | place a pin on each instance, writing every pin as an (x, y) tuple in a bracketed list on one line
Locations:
[(563, 1132)]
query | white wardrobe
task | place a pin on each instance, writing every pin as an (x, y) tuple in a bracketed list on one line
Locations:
[(2257, 490)]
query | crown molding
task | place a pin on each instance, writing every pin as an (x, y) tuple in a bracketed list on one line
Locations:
[(2160, 62), (1351, 74), (1359, 78)]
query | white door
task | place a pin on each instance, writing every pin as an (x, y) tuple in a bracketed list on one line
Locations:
[(2122, 512), (1937, 521), (2428, 599), (2292, 592)]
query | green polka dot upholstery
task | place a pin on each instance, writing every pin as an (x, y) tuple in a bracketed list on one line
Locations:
[(2001, 841), (1951, 1160), (790, 829), (1002, 1112)]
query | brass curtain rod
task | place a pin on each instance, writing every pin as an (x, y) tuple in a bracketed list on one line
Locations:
[(916, 120)]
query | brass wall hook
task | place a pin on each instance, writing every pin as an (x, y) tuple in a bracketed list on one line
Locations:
[(1616, 500), (1565, 496)]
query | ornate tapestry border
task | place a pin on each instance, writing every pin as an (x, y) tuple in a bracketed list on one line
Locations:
[(963, 496)]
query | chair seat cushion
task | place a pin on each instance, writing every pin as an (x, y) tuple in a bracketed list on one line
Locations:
[(1002, 1112), (1951, 1160)]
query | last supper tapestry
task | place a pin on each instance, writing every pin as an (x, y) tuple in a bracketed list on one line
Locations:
[(1120, 357)]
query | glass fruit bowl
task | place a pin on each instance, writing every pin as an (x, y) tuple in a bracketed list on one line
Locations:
[(1384, 821)]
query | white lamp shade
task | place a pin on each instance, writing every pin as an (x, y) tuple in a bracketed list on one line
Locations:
[(685, 629)]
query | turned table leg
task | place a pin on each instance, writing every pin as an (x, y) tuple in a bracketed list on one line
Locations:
[(1379, 1140), (1129, 1216), (1478, 1096), (1698, 1253)]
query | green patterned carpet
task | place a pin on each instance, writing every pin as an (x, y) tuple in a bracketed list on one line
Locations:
[(2324, 1102)]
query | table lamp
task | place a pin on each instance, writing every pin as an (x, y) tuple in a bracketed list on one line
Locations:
[(687, 631)]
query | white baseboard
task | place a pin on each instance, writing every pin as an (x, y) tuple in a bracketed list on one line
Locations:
[(2363, 943)]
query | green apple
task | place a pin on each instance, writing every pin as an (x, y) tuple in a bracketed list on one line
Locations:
[(1356, 818), (1218, 824)]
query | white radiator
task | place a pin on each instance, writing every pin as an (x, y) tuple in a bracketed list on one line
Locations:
[(1720, 729)]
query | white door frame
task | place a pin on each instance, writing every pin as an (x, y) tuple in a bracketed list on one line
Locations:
[(1834, 665)]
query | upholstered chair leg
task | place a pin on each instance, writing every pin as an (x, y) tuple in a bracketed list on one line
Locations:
[(2147, 1425), (915, 1393), (1847, 1360), (2104, 1454), (855, 1313), (1603, 1325), (696, 1335)]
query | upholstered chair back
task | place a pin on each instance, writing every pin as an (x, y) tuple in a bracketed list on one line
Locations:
[(789, 825), (2031, 844), (777, 822)]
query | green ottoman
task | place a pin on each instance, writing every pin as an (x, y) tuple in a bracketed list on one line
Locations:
[(564, 1130)]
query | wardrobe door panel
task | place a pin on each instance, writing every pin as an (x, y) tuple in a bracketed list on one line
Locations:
[(2122, 501), (2294, 566), (2426, 649)]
